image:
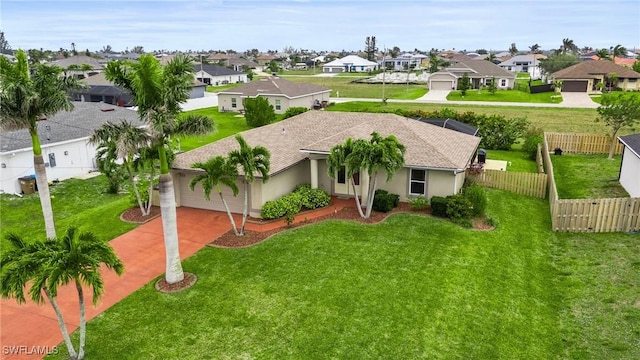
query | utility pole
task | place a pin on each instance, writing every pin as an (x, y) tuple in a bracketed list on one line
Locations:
[(384, 69)]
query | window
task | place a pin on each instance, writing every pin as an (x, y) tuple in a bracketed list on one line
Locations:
[(418, 182), (342, 176), (278, 107), (503, 82), (234, 103)]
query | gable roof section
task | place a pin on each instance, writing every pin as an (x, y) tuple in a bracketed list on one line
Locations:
[(594, 69), (291, 140), (353, 60), (78, 60), (275, 86), (520, 58), (216, 70), (486, 68), (66, 126), (632, 142)]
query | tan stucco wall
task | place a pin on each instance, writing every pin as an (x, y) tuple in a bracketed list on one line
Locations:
[(439, 183), (284, 182), (324, 181)]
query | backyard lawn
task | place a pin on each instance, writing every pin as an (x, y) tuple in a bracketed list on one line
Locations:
[(411, 287), (342, 86), (517, 160), (581, 176)]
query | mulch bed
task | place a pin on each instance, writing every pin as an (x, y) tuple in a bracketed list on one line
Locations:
[(188, 281), (230, 240), (134, 215)]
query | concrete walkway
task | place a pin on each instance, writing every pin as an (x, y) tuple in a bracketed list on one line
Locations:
[(435, 95), (24, 327), (473, 103)]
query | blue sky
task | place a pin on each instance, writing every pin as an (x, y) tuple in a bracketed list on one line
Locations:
[(318, 24)]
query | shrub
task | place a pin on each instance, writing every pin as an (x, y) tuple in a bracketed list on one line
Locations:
[(258, 111), (383, 201), (466, 223), (273, 209), (143, 190), (418, 203), (316, 198), (293, 111), (477, 197), (532, 138), (439, 206), (458, 207), (292, 203)]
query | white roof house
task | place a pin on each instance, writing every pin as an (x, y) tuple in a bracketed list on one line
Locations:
[(349, 63)]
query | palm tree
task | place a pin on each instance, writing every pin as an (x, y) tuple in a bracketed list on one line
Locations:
[(619, 51), (535, 48), (158, 92), (337, 160), (568, 46), (26, 95), (251, 160), (47, 265), (126, 139), (603, 54), (217, 171), (492, 58)]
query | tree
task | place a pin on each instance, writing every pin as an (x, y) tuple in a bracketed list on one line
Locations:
[(107, 49), (482, 51), (5, 48), (373, 156), (618, 111), (464, 84), (436, 62), (126, 139), (394, 52), (370, 48), (513, 50), (158, 92), (612, 80), (217, 171), (603, 54), (250, 160), (557, 86), (568, 46), (619, 51), (273, 66), (535, 49), (138, 49), (555, 62), (492, 58), (73, 49), (26, 95), (258, 111), (636, 66), (493, 87), (45, 265)]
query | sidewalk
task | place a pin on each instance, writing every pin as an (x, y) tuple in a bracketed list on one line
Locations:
[(28, 327), (471, 103)]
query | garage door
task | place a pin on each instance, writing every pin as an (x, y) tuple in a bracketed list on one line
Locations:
[(574, 86), (440, 85), (195, 198)]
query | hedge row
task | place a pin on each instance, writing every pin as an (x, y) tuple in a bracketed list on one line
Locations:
[(461, 207), (291, 204)]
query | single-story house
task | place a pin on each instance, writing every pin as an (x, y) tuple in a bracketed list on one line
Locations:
[(99, 89), (64, 138), (349, 63), (584, 76), (75, 62), (281, 93), (218, 75), (529, 63), (435, 160), (404, 61), (480, 72), (630, 167)]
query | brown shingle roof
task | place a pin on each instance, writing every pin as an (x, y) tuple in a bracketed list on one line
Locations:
[(276, 86), (594, 69), (484, 68), (428, 146)]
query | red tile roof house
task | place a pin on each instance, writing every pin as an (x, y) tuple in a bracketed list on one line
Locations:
[(282, 94), (584, 76), (435, 160), (630, 167)]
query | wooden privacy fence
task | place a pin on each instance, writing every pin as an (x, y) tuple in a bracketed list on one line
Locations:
[(596, 215), (581, 143), (530, 184)]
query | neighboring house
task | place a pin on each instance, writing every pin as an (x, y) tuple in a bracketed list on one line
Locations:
[(404, 61), (630, 168), (480, 72), (64, 138), (265, 59), (239, 64), (628, 62), (282, 94), (78, 61), (218, 75), (349, 63), (435, 160), (584, 76), (529, 63)]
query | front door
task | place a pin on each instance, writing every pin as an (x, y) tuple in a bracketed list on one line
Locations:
[(342, 186)]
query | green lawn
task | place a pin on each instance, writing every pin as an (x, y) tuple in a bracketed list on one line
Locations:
[(216, 89), (412, 287), (346, 88), (80, 203), (518, 161), (227, 124), (580, 176), (505, 96), (549, 119), (598, 97)]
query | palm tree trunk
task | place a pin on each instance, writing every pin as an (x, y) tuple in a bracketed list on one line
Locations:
[(174, 271), (43, 193), (61, 324), (147, 208), (372, 191), (233, 222), (355, 192), (83, 320), (246, 206), (135, 188)]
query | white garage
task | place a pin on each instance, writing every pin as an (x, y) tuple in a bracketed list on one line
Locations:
[(196, 199), (440, 85)]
